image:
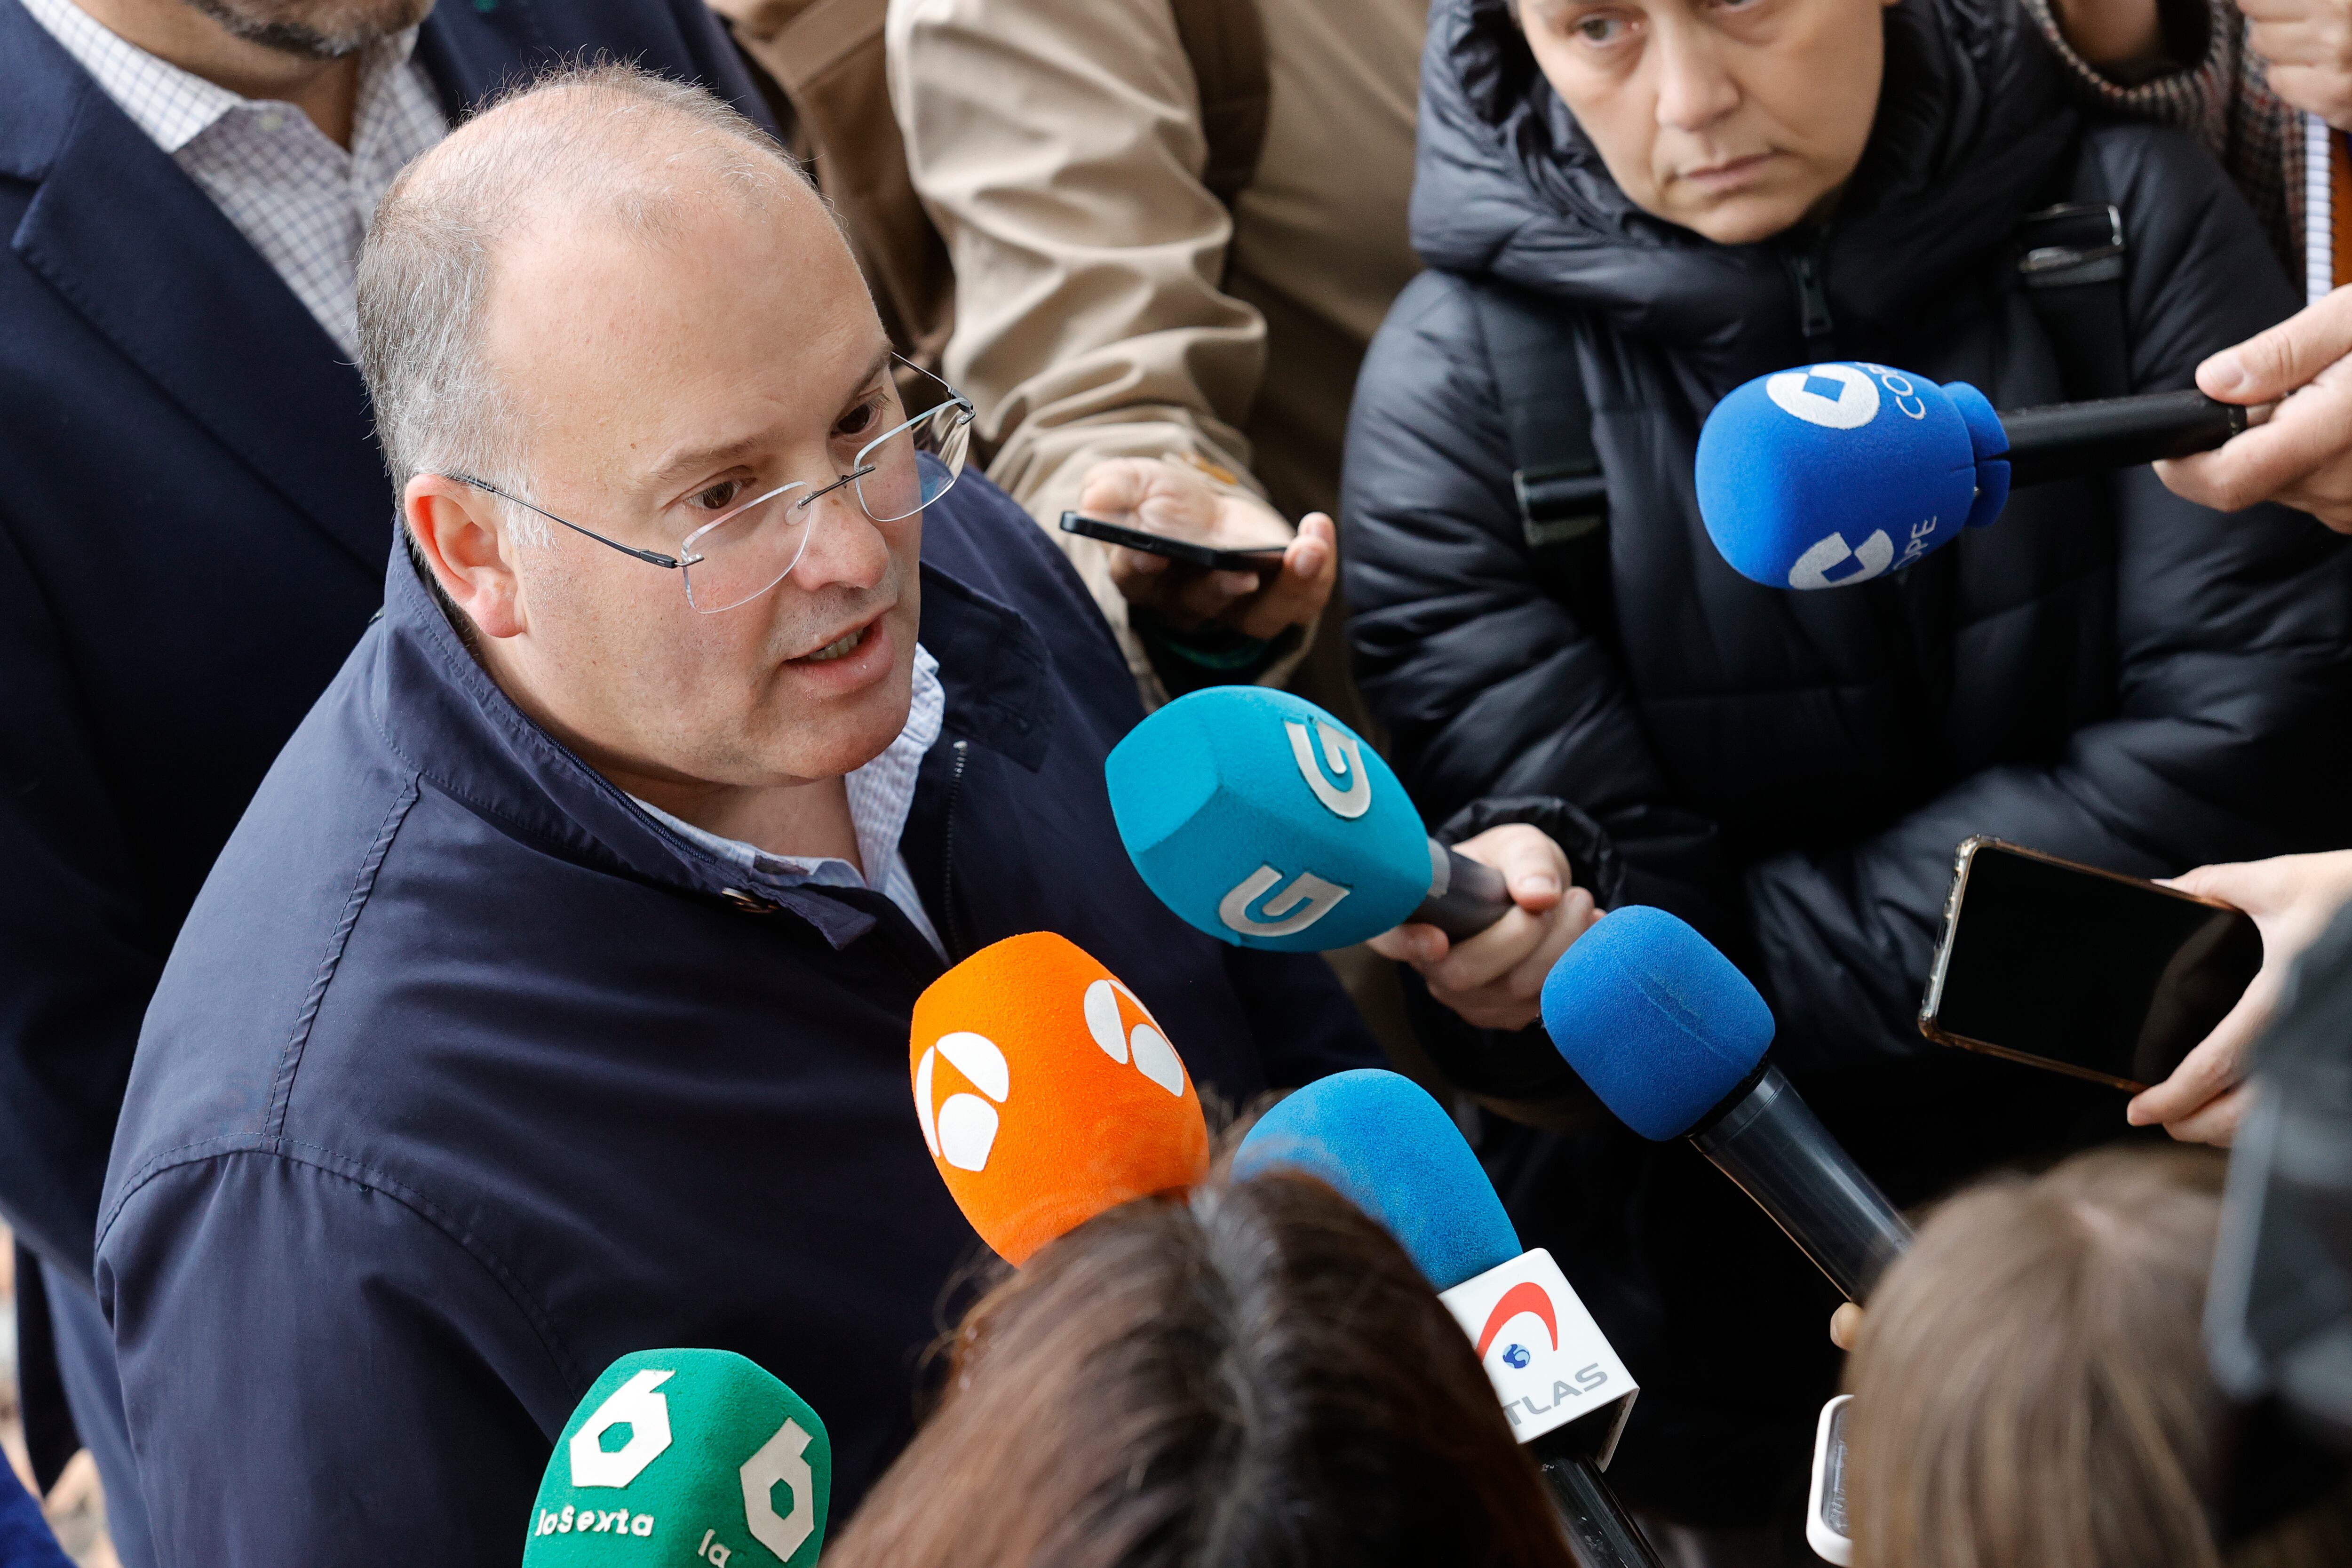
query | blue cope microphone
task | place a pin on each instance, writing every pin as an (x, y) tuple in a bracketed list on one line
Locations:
[(1385, 1145), (1672, 1037), (1266, 821), (1828, 475)]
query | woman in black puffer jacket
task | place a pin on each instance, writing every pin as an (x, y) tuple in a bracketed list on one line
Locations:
[(2108, 673)]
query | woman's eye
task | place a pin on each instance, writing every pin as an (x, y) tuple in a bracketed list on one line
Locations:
[(1601, 29), (859, 421), (714, 498)]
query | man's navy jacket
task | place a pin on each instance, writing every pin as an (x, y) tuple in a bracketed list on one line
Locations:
[(192, 537), (465, 1077)]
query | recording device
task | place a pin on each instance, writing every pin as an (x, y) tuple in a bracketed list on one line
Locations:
[(1672, 1037), (1256, 558), (2082, 971), (1828, 475), (1264, 821), (1047, 1093), (684, 1453), (1825, 1530), (1384, 1145)]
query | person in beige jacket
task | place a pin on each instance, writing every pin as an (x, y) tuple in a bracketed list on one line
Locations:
[(1137, 349)]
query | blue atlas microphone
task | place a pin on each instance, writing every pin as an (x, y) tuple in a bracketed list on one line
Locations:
[(1672, 1037), (1266, 821), (1385, 1145), (1828, 475)]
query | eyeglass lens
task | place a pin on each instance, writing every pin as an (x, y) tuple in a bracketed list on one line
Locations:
[(742, 555)]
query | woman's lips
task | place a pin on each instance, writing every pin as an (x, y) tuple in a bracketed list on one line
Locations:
[(1729, 174)]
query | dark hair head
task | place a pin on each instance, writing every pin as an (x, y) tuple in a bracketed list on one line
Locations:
[(1251, 1376)]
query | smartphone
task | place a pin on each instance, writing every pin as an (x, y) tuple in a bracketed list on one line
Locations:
[(2079, 970), (1825, 1506), (1252, 559)]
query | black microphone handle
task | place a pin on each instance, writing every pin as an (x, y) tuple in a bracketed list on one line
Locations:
[(2070, 440), (1766, 1139), (1601, 1533), (1465, 897)]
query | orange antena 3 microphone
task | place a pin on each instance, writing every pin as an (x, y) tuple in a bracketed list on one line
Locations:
[(1048, 1093)]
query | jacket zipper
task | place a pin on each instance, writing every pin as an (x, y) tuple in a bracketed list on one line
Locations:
[(947, 857), (1813, 300)]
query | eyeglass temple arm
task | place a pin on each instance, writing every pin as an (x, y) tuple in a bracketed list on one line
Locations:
[(647, 555)]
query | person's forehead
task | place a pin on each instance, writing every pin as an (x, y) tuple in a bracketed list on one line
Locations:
[(638, 334)]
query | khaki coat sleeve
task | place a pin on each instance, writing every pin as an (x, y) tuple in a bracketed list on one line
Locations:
[(1058, 147)]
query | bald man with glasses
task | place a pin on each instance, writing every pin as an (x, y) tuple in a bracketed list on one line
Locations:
[(553, 999)]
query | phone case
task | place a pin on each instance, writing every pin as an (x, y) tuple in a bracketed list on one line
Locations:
[(1930, 1004)]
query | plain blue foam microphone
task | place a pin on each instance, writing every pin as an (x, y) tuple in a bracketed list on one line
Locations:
[(1266, 821), (1673, 1038), (1381, 1139), (1384, 1145), (1828, 475)]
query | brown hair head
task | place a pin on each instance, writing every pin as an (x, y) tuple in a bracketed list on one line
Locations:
[(1251, 1376), (2029, 1386)]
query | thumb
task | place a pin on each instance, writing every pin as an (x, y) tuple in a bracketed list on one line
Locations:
[(2271, 365)]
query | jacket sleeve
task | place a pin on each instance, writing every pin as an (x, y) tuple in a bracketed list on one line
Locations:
[(1059, 149), (238, 1284), (2215, 88), (1487, 684), (2232, 679), (78, 956)]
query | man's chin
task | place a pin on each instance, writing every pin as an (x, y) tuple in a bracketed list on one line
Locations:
[(318, 32)]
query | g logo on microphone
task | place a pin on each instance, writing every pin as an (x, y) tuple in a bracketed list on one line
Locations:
[(1835, 396), (1344, 757)]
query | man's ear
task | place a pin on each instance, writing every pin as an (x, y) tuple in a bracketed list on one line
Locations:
[(469, 550)]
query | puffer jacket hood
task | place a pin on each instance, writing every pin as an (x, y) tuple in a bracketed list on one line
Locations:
[(1971, 126)]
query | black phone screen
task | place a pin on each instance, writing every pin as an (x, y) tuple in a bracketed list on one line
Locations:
[(2113, 977)]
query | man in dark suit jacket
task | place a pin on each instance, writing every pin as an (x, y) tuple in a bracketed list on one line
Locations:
[(196, 520)]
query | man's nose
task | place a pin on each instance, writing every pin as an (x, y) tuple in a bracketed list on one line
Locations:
[(845, 548), (1695, 89)]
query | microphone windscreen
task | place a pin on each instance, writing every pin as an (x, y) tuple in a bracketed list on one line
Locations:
[(1828, 475), (1266, 821), (682, 1455), (1048, 1093), (1654, 1020), (1381, 1139)]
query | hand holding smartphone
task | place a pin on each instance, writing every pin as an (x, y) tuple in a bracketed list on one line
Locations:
[(2082, 971)]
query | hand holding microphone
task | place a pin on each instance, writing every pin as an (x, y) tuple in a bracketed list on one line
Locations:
[(1828, 475), (681, 1455), (2302, 457), (1266, 821)]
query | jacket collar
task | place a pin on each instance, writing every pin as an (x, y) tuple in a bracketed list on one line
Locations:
[(442, 714)]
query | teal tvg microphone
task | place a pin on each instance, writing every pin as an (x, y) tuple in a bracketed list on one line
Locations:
[(1266, 821), (684, 1456)]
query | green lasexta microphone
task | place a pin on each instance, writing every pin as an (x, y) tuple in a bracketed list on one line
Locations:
[(684, 1456)]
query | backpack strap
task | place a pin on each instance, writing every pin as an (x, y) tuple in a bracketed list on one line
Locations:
[(1225, 42), (2071, 258), (1557, 477)]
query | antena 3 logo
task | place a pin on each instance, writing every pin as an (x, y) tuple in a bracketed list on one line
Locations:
[(961, 1128)]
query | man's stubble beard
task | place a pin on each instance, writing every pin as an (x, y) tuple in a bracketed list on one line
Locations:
[(315, 29)]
